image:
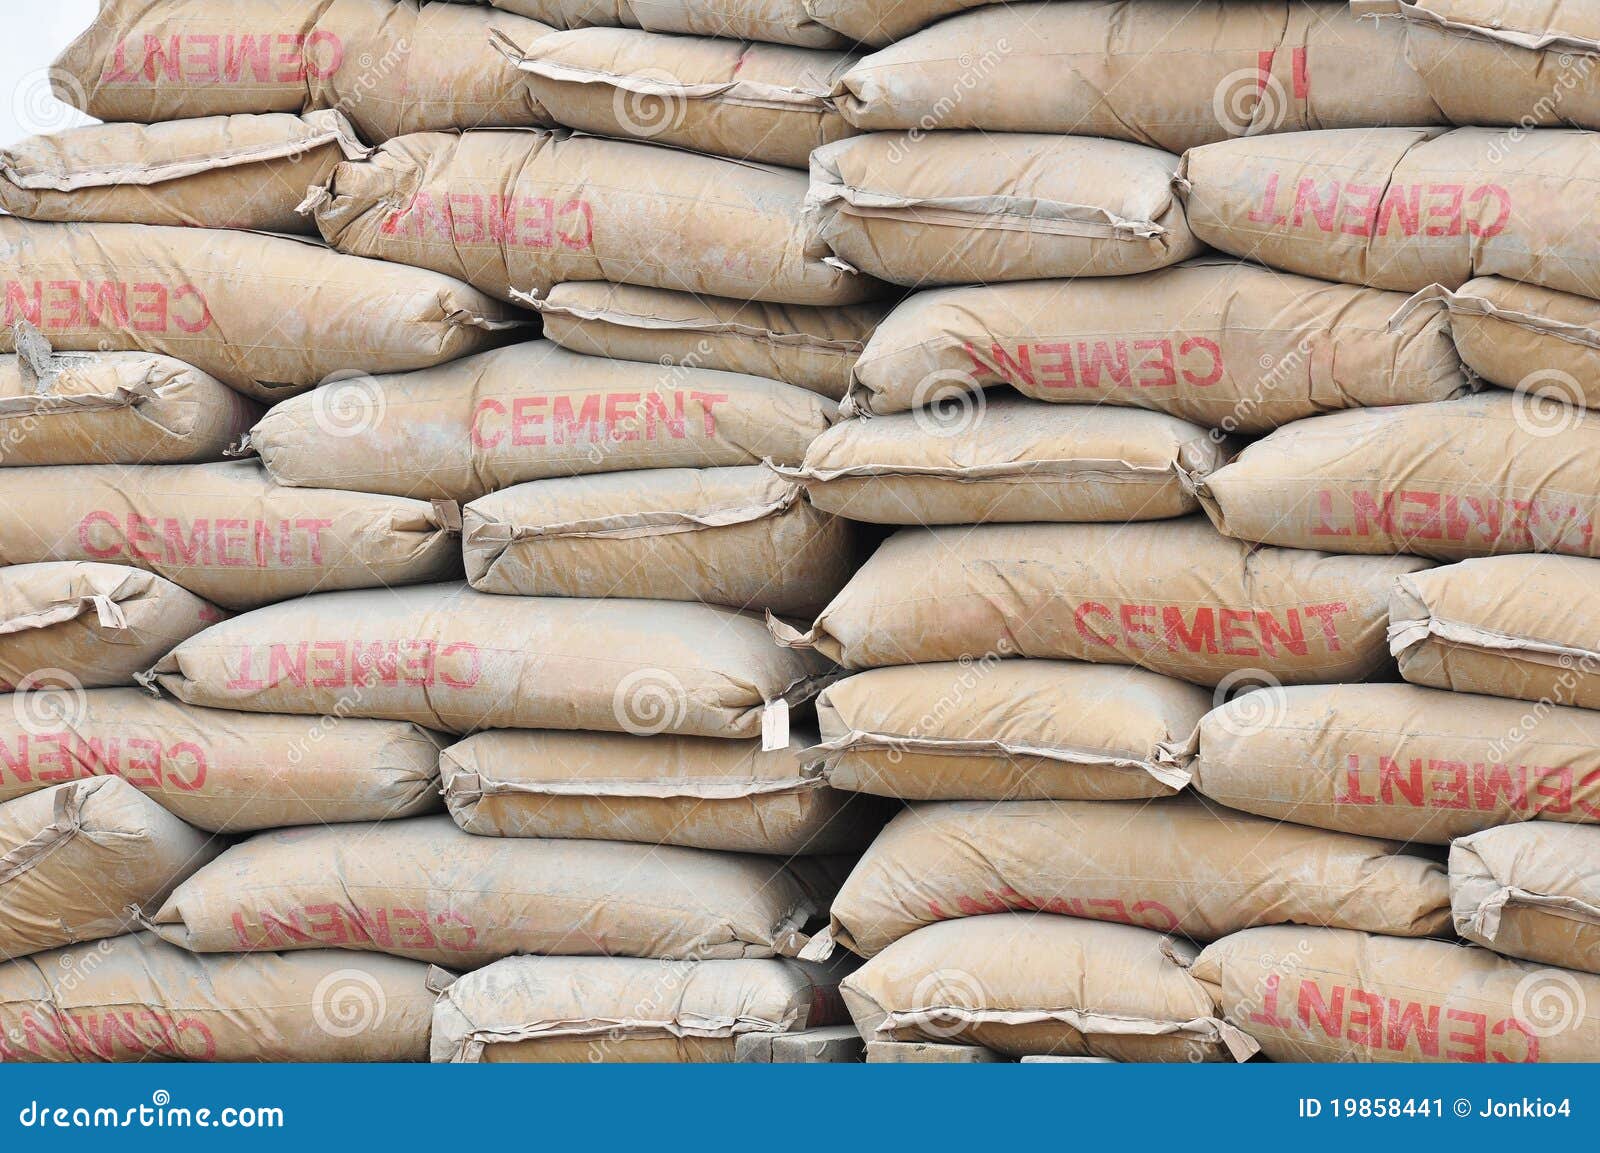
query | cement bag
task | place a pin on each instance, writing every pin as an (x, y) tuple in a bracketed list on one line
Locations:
[(523, 211), (225, 531), (531, 412), (1025, 985), (227, 772), (1175, 865), (1495, 476), (75, 856), (1227, 345), (883, 21), (424, 889), (1337, 995), (1512, 626), (762, 102), (967, 461), (1530, 891), (137, 998), (812, 348), (742, 537), (663, 790), (88, 625), (775, 21), (113, 408), (1536, 340), (625, 1009), (392, 66), (966, 208), (450, 658), (1169, 73), (1389, 760), (267, 315), (1007, 730), (215, 172), (1173, 597), (1403, 208)]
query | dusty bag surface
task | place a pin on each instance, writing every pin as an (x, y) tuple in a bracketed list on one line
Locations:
[(137, 998), (1387, 760), (966, 208), (220, 770), (606, 1009), (1169, 73), (113, 408), (662, 790), (392, 66), (1172, 596), (450, 658), (1007, 730), (1511, 626), (424, 889), (775, 21), (212, 172), (524, 211), (73, 857), (1311, 994), (1027, 985), (223, 531), (90, 625), (725, 97), (1402, 208), (742, 537), (267, 315), (1478, 476), (530, 412), (1007, 459), (1174, 865), (811, 348), (1228, 345), (1536, 340), (1530, 891), (883, 21)]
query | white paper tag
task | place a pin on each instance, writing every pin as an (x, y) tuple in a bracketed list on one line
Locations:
[(775, 727)]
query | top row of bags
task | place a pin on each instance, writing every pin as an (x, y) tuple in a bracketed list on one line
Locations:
[(1173, 74)]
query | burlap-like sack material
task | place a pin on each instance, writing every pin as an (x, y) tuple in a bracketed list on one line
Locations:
[(1511, 626), (742, 537), (73, 857), (1521, 336), (392, 66), (1008, 459), (1397, 761), (530, 412), (966, 208), (228, 772), (89, 625), (137, 998), (1176, 865), (1403, 208), (1169, 73), (1478, 476), (813, 348), (213, 172), (1231, 346), (1025, 985), (1174, 597), (424, 889), (112, 408), (268, 315), (1339, 995), (1007, 730), (626, 1009), (524, 211), (663, 790), (1530, 891), (767, 103), (223, 531), (775, 21), (448, 657)]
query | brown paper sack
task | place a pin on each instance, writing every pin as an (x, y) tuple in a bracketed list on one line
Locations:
[(775, 21), (883, 21), (1530, 891), (1535, 340)]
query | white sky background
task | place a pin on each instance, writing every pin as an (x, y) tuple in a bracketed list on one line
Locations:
[(33, 37)]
